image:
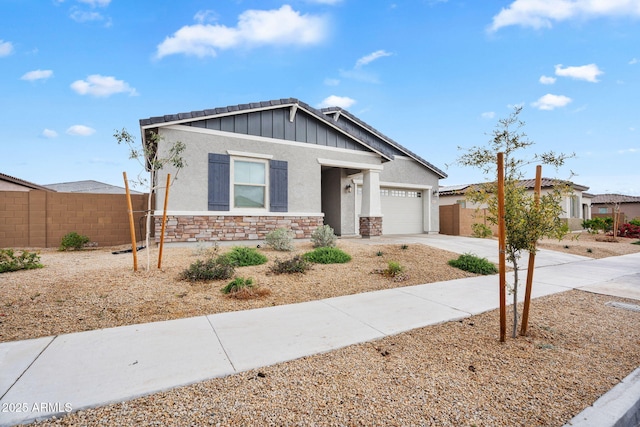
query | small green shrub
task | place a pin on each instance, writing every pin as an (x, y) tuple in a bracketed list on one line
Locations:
[(241, 288), (280, 239), (323, 237), (379, 253), (10, 261), (242, 256), (635, 221), (236, 284), (394, 271), (297, 264), (597, 224), (73, 241), (210, 269), (327, 255), (471, 263), (481, 231), (404, 247)]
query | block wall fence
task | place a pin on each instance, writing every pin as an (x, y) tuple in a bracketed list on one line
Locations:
[(40, 219)]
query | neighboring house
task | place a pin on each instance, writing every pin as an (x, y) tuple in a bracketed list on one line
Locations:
[(10, 183), (88, 186), (603, 205), (252, 168), (576, 206)]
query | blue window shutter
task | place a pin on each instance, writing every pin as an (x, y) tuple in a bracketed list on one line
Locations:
[(278, 186), (218, 185)]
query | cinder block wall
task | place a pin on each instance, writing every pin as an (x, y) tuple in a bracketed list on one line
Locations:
[(40, 219)]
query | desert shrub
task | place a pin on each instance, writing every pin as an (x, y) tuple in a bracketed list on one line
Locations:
[(481, 231), (597, 224), (73, 241), (242, 256), (394, 271), (629, 230), (205, 250), (210, 269), (11, 261), (297, 264), (241, 288), (280, 239), (323, 237), (471, 263), (635, 221), (327, 255)]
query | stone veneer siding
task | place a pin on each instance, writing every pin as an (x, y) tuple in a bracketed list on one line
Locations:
[(197, 228), (370, 226)]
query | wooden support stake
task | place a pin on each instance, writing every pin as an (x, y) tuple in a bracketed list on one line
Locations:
[(532, 259), (131, 224), (502, 249), (164, 220)]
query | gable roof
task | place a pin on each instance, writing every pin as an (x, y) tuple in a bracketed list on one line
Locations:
[(362, 135), (339, 113), (88, 186), (452, 190), (614, 198), (22, 183)]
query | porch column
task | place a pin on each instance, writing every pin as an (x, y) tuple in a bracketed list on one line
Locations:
[(371, 210)]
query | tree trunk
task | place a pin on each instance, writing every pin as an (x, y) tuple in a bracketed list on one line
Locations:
[(515, 298)]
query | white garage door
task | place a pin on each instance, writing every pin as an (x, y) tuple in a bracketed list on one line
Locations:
[(402, 210)]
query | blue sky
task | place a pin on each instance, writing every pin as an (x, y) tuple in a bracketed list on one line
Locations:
[(434, 75)]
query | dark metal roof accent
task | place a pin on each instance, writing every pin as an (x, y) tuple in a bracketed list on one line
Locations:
[(452, 190), (614, 198), (387, 152)]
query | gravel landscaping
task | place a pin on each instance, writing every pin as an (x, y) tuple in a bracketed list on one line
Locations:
[(452, 374)]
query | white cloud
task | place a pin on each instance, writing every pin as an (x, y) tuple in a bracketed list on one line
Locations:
[(337, 101), (588, 72), (96, 3), (6, 48), (102, 86), (80, 130), (546, 80), (629, 150), (634, 61), (542, 13), (83, 16), (371, 57), (551, 102), (331, 82), (282, 26), (203, 16), (37, 75), (48, 133), (488, 115)]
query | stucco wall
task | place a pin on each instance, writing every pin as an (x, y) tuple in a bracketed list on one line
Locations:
[(189, 191)]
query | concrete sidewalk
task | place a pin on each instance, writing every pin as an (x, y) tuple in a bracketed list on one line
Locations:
[(49, 376)]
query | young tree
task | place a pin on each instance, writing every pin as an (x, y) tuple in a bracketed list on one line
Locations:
[(152, 161), (525, 221)]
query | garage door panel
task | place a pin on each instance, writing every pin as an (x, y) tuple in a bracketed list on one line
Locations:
[(402, 210)]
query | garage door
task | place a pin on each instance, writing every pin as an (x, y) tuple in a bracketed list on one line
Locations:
[(402, 210)]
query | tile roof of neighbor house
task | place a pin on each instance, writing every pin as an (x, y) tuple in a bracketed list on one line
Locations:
[(450, 190), (614, 198), (320, 114), (88, 186), (22, 182)]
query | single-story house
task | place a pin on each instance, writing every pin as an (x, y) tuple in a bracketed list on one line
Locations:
[(88, 186), (252, 168), (10, 183), (576, 206), (603, 205)]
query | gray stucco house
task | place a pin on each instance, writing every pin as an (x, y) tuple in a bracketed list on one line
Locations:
[(255, 167)]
